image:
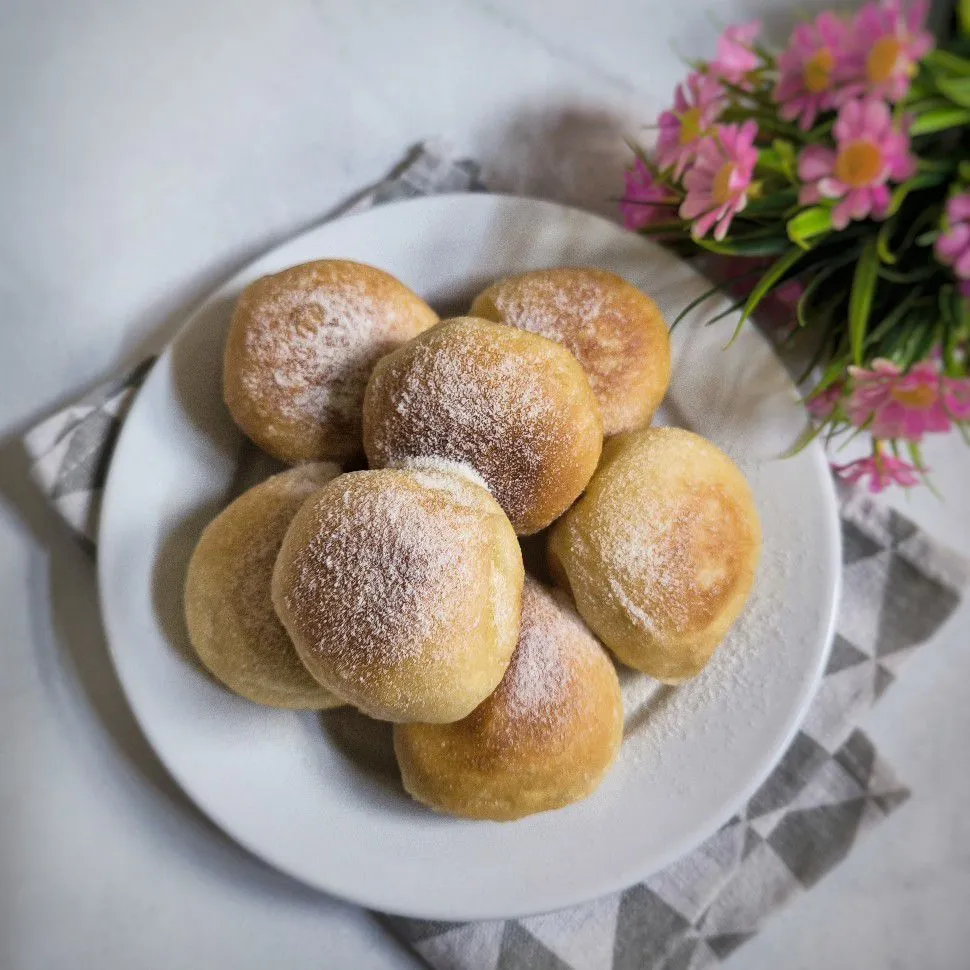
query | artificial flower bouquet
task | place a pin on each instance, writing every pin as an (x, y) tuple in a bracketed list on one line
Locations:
[(836, 176)]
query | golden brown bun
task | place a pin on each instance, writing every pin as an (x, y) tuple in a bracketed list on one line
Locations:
[(402, 592), (661, 552), (514, 406), (543, 740), (301, 347), (230, 616), (615, 331)]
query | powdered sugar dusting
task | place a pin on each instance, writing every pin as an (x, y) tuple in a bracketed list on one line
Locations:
[(302, 346), (388, 553), (552, 304), (318, 346), (732, 690), (437, 472), (554, 651), (664, 533), (509, 407), (382, 567), (616, 332)]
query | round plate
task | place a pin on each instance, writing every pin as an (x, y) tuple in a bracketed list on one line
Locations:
[(310, 793)]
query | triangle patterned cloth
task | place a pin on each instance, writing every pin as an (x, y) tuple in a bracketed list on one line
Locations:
[(830, 787)]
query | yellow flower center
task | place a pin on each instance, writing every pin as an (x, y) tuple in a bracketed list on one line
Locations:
[(858, 164), (722, 184), (882, 59), (690, 126), (817, 72), (915, 398)]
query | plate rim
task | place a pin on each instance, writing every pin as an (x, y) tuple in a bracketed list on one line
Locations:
[(558, 900)]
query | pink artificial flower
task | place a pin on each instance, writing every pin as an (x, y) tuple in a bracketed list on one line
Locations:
[(887, 43), (698, 103), (822, 405), (869, 152), (717, 183), (953, 246), (734, 57), (900, 405), (956, 397), (645, 200), (809, 69), (881, 470), (788, 294)]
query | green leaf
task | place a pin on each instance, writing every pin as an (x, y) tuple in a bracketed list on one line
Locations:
[(860, 300), (771, 161), (963, 17), (961, 309), (713, 291), (963, 170), (666, 225), (820, 131), (926, 217), (779, 159), (924, 180), (957, 89), (883, 237), (809, 223), (944, 61), (836, 369), (944, 165), (772, 206), (777, 270), (939, 119), (951, 343), (917, 106), (706, 295), (733, 308), (785, 151), (921, 341), (818, 280), (753, 244), (891, 319), (811, 432), (913, 276)]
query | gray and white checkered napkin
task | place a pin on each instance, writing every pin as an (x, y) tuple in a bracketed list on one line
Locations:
[(830, 787)]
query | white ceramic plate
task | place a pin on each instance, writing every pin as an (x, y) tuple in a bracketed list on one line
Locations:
[(312, 794)]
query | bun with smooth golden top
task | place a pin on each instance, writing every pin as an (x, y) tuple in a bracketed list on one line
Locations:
[(614, 330), (661, 551), (231, 621), (300, 348)]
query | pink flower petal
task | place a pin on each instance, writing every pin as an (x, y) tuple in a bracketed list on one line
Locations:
[(958, 208), (832, 188), (848, 122), (694, 205), (703, 225), (961, 268), (841, 215), (815, 162), (859, 203), (809, 195), (875, 118), (956, 397), (880, 197), (951, 244)]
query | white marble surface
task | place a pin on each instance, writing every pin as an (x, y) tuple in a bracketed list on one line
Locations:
[(150, 148)]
